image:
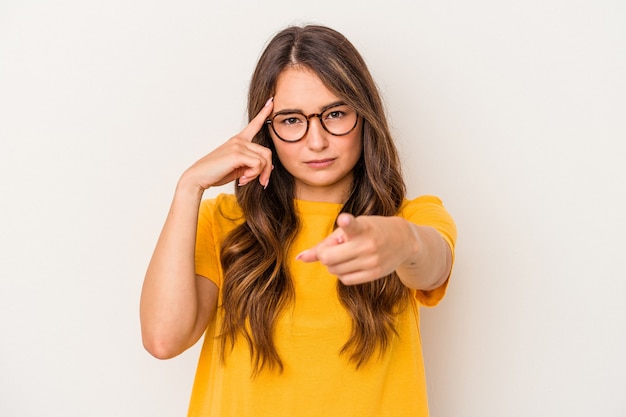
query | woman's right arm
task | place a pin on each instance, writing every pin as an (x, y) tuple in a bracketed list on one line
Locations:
[(176, 304)]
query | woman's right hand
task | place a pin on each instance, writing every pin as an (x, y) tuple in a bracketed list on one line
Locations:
[(236, 158), (177, 304)]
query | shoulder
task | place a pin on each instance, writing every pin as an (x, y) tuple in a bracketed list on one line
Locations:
[(421, 203), (226, 203), (222, 207)]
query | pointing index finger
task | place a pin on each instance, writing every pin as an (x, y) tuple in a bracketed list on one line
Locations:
[(311, 255), (257, 123)]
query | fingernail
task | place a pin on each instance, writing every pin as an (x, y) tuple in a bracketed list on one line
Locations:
[(299, 256), (267, 103), (266, 184)]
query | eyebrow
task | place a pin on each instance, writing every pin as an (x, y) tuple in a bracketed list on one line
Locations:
[(323, 109)]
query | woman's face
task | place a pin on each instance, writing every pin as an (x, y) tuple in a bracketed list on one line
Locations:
[(320, 163)]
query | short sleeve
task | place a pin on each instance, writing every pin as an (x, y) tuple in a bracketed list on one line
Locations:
[(429, 211), (206, 253)]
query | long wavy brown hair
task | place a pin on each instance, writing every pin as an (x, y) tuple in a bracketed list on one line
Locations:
[(257, 284)]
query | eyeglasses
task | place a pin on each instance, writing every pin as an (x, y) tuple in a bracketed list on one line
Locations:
[(337, 119)]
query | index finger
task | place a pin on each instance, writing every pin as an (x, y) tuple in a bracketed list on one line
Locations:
[(257, 123), (312, 254)]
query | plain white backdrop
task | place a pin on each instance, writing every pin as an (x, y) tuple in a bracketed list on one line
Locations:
[(513, 112)]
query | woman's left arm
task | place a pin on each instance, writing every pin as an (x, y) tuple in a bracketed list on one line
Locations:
[(429, 262), (366, 248)]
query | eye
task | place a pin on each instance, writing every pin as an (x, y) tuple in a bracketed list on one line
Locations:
[(289, 120), (335, 114)]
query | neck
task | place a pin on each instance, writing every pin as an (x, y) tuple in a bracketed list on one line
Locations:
[(322, 194)]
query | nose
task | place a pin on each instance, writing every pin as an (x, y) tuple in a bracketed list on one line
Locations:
[(316, 135)]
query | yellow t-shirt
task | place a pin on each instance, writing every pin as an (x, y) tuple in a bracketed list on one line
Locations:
[(316, 381)]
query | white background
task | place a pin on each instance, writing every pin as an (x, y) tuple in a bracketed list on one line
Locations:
[(513, 112)]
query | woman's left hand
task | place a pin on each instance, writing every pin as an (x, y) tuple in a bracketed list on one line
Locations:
[(364, 248)]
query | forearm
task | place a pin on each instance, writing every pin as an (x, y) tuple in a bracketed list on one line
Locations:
[(169, 306), (428, 260)]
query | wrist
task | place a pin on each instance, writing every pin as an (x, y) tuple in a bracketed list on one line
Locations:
[(410, 270), (413, 245), (186, 186)]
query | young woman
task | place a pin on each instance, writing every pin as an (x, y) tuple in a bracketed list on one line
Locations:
[(307, 281)]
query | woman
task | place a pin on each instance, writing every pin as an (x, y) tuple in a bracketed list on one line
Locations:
[(306, 282)]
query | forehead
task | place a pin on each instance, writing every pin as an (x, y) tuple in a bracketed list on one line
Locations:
[(299, 88)]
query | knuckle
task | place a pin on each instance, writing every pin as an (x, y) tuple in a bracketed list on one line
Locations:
[(344, 280), (374, 245), (349, 280), (323, 257), (237, 144), (377, 272), (237, 139), (371, 264)]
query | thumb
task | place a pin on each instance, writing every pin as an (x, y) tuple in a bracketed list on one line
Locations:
[(349, 224)]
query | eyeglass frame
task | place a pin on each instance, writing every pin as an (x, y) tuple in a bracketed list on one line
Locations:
[(270, 121)]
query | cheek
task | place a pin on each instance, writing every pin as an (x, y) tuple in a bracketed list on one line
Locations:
[(354, 147), (357, 150), (285, 154)]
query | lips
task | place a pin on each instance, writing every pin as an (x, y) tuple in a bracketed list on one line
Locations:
[(320, 163)]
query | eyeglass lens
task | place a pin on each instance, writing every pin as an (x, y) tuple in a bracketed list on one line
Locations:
[(337, 120)]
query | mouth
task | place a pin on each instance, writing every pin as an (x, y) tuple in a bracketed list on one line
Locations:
[(320, 163)]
